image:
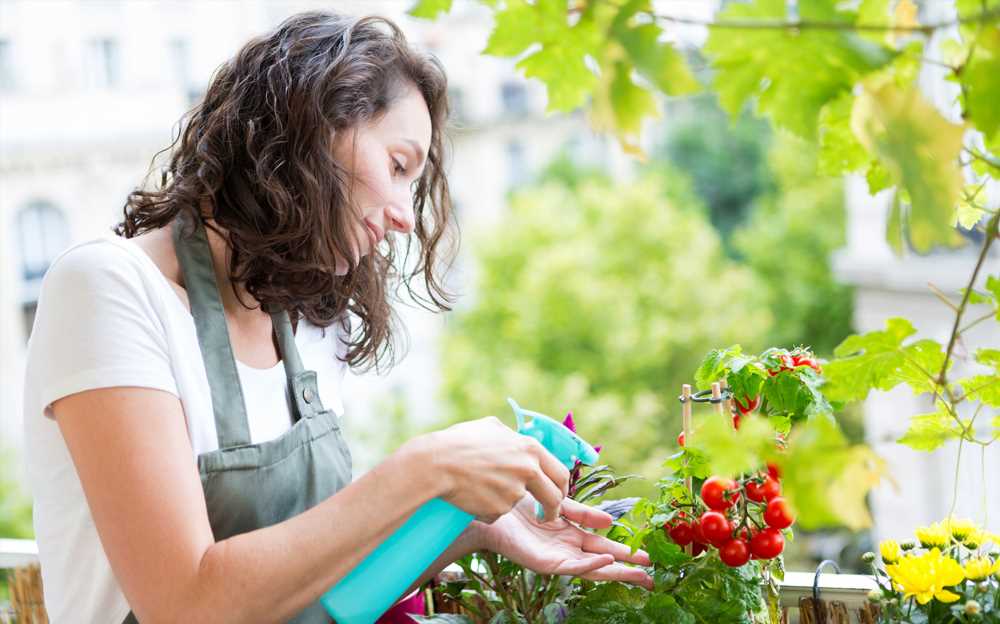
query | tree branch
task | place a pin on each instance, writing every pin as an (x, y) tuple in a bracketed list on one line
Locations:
[(926, 29)]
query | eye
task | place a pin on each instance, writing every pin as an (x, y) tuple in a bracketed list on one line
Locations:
[(398, 168)]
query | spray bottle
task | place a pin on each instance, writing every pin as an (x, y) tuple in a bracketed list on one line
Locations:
[(374, 584)]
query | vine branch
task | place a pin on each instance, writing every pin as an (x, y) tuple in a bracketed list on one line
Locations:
[(926, 29)]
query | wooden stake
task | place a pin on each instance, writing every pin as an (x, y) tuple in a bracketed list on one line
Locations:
[(686, 429), (727, 405)]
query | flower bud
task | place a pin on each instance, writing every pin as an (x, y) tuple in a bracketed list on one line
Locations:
[(868, 557), (876, 595), (908, 545), (972, 608)]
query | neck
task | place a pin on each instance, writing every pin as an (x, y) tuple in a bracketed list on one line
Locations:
[(221, 253)]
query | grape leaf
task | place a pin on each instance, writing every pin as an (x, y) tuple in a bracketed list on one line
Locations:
[(879, 360), (658, 62), (980, 80), (766, 64), (982, 388), (839, 150), (919, 149), (730, 452), (929, 431), (429, 9), (817, 450)]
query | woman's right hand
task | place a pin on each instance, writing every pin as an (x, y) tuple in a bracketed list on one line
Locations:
[(487, 467)]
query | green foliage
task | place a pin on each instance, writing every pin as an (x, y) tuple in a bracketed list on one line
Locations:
[(687, 589), (767, 64), (849, 91), (882, 360), (727, 162), (788, 243), (15, 506), (599, 299)]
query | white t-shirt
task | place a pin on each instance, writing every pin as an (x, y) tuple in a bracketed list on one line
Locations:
[(108, 317)]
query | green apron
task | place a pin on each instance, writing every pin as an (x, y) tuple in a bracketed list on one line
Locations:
[(250, 486)]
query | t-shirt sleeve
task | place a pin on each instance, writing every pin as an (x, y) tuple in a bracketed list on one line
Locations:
[(96, 326)]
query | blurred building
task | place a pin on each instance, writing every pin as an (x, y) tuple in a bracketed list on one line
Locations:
[(91, 90), (922, 483)]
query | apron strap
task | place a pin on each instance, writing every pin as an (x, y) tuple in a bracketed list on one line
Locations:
[(228, 406)]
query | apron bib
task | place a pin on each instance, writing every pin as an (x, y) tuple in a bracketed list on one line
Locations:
[(250, 486)]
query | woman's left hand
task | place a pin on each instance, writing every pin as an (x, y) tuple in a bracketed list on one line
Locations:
[(560, 547)]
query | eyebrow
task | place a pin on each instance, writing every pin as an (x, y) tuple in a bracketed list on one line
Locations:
[(419, 150)]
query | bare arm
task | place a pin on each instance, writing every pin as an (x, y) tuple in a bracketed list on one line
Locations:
[(132, 453)]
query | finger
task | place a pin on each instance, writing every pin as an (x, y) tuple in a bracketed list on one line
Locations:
[(594, 543), (585, 515), (584, 565), (622, 573), (552, 467), (547, 494)]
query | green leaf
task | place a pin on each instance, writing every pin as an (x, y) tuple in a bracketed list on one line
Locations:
[(731, 452), (767, 64), (879, 360), (982, 388), (988, 357), (839, 150), (609, 602), (825, 478), (664, 609), (662, 552), (929, 431), (429, 9), (968, 212), (980, 80), (713, 367), (920, 150), (657, 61), (631, 102), (878, 178)]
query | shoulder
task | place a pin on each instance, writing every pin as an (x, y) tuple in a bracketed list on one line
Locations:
[(97, 260)]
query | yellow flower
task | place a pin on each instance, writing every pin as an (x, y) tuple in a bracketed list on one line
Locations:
[(926, 576), (975, 539), (889, 550), (960, 529), (979, 568), (936, 534)]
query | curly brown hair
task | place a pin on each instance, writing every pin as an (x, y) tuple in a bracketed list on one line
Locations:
[(260, 145)]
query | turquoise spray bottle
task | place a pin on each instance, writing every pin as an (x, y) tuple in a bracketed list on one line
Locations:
[(379, 580)]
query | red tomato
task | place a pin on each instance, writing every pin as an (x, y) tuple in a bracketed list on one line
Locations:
[(716, 528), (767, 544), (770, 488), (682, 534), (755, 490), (697, 548), (734, 553), (680, 439), (736, 422), (778, 513), (747, 405), (774, 471), (719, 492)]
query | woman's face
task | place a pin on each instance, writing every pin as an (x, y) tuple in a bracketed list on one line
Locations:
[(385, 157)]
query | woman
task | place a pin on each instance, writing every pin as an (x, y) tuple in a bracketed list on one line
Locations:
[(185, 460)]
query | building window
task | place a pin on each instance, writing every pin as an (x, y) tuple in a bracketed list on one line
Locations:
[(7, 81), (517, 165), (513, 98), (102, 63), (42, 233)]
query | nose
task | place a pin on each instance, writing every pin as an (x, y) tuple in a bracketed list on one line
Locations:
[(399, 216)]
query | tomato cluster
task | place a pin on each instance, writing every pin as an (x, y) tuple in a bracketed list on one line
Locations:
[(742, 518), (791, 360)]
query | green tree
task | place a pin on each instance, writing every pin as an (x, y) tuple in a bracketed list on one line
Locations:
[(599, 298), (787, 244), (726, 162), (15, 507)]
